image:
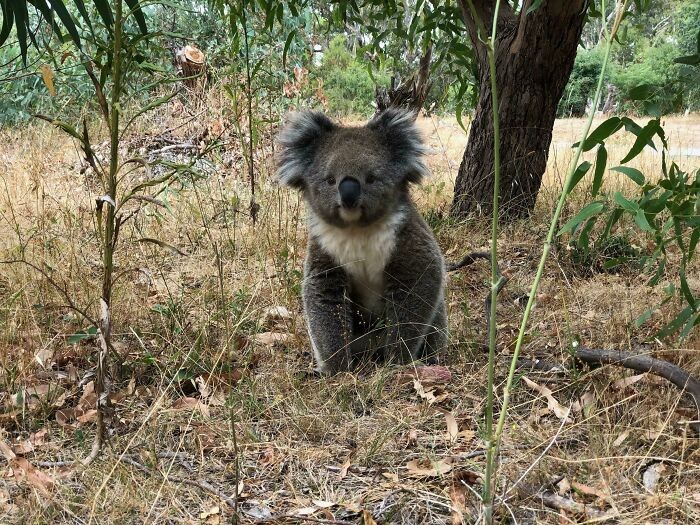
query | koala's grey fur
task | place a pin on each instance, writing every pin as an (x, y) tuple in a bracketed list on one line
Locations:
[(374, 274)]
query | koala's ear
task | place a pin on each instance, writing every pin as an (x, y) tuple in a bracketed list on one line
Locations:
[(298, 142), (397, 128)]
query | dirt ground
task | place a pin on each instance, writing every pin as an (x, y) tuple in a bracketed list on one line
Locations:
[(215, 409)]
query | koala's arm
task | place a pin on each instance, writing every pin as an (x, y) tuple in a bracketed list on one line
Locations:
[(414, 293), (328, 317)]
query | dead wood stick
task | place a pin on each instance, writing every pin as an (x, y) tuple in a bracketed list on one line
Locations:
[(468, 259), (304, 518), (644, 363), (558, 502)]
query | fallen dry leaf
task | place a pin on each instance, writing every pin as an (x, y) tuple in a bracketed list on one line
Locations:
[(23, 447), (275, 314), (346, 464), (426, 468), (190, 403), (271, 338), (563, 487), (621, 438), (367, 518), (589, 491), (452, 427), (25, 470), (460, 494), (552, 404), (305, 511), (625, 382), (322, 504), (211, 516), (391, 476), (6, 451), (88, 416), (433, 395)]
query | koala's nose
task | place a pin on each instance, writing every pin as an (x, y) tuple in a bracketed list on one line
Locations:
[(349, 190)]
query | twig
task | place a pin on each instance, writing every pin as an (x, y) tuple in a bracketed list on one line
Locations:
[(555, 501), (468, 259), (304, 518), (643, 363)]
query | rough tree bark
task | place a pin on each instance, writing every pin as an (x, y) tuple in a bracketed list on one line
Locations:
[(534, 57)]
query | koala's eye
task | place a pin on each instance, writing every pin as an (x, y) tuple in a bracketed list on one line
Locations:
[(371, 179), (330, 181)]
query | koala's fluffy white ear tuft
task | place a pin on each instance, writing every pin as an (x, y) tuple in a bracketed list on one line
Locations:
[(398, 129), (298, 142)]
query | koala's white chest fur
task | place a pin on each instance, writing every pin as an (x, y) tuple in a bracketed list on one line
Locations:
[(363, 252)]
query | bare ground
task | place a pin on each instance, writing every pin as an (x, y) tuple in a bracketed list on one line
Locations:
[(216, 406)]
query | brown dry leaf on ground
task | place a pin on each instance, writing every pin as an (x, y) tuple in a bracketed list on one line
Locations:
[(190, 404), (24, 470), (452, 427), (345, 467), (625, 382), (367, 518), (590, 491), (6, 451), (272, 338), (431, 394), (425, 468), (552, 404)]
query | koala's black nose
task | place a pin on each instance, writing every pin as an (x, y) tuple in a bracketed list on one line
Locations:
[(349, 190)]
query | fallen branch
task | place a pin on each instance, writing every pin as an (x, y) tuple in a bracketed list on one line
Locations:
[(555, 501), (644, 363), (303, 518)]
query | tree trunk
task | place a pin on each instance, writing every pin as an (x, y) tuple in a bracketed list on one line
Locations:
[(534, 57)]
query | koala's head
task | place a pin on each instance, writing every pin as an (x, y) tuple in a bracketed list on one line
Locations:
[(351, 175)]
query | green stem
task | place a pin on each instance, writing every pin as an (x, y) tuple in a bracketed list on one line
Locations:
[(110, 231), (489, 482), (548, 242)]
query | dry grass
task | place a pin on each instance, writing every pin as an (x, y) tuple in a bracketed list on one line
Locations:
[(321, 448)]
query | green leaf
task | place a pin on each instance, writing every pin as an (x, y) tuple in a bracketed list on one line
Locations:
[(643, 138), (287, 43), (81, 335), (105, 11), (644, 317), (690, 60), (602, 132), (67, 20), (685, 289), (627, 205), (592, 209), (641, 92), (632, 173), (641, 219), (579, 174), (676, 323), (7, 19), (601, 160)]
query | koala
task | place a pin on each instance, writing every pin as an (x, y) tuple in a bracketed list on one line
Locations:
[(374, 275)]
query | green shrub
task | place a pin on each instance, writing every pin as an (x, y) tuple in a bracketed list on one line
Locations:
[(582, 83), (347, 83)]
